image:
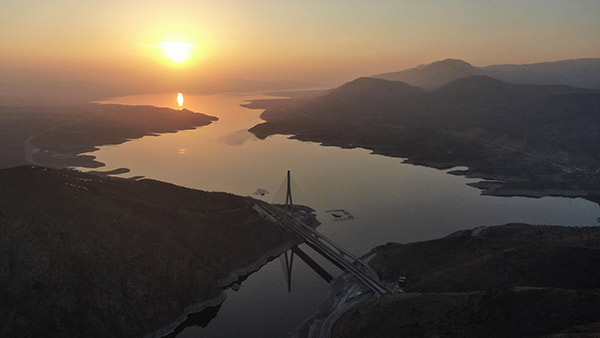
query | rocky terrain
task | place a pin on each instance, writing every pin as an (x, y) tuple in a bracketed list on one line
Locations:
[(515, 280), (89, 256)]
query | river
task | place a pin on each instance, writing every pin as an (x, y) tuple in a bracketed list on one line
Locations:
[(390, 201)]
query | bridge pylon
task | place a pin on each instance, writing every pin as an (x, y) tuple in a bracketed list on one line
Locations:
[(288, 195)]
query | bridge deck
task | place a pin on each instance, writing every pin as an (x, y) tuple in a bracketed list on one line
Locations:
[(328, 248)]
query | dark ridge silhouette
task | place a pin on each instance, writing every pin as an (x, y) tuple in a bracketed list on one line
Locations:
[(462, 103)]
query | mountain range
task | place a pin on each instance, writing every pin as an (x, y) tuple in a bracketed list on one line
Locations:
[(577, 72), (525, 138), (497, 108)]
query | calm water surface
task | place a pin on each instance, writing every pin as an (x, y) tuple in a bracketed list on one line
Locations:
[(390, 201)]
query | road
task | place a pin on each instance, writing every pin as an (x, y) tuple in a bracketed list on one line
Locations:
[(329, 249)]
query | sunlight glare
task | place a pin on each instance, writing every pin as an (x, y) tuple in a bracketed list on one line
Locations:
[(177, 51)]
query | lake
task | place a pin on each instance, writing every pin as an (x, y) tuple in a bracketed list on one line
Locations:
[(390, 201)]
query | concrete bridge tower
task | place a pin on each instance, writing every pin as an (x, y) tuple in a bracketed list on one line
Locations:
[(288, 195)]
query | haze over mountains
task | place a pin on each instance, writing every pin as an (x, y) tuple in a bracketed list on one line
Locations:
[(578, 73), (51, 88)]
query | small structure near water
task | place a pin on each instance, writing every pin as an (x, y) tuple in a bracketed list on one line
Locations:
[(340, 215), (260, 192)]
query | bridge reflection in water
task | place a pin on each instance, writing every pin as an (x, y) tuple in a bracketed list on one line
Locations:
[(294, 218), (287, 262)]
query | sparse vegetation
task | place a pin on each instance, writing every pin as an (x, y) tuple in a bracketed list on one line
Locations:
[(84, 255), (515, 280)]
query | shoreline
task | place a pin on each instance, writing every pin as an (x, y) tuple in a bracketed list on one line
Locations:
[(225, 284), (149, 235), (62, 137), (491, 184), (85, 159)]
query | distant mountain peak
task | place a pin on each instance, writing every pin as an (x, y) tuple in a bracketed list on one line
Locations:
[(576, 72), (370, 81), (450, 63), (449, 68), (433, 75), (368, 86)]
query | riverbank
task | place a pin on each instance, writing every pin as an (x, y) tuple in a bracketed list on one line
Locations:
[(235, 276), (85, 255), (505, 172), (505, 281)]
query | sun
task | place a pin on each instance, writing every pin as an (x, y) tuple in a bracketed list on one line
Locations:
[(177, 51)]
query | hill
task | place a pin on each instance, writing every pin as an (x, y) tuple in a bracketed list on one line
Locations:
[(523, 137), (89, 256), (433, 75), (515, 280)]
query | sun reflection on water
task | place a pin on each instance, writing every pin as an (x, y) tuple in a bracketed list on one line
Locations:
[(180, 99)]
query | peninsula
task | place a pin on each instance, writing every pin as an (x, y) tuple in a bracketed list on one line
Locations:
[(57, 136)]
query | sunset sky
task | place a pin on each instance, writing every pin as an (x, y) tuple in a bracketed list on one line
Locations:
[(317, 42)]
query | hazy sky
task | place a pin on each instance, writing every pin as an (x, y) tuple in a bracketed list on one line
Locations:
[(310, 41)]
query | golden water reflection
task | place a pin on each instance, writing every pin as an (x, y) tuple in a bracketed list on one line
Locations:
[(180, 99)]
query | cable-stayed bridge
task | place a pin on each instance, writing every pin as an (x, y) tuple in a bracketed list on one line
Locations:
[(291, 217)]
